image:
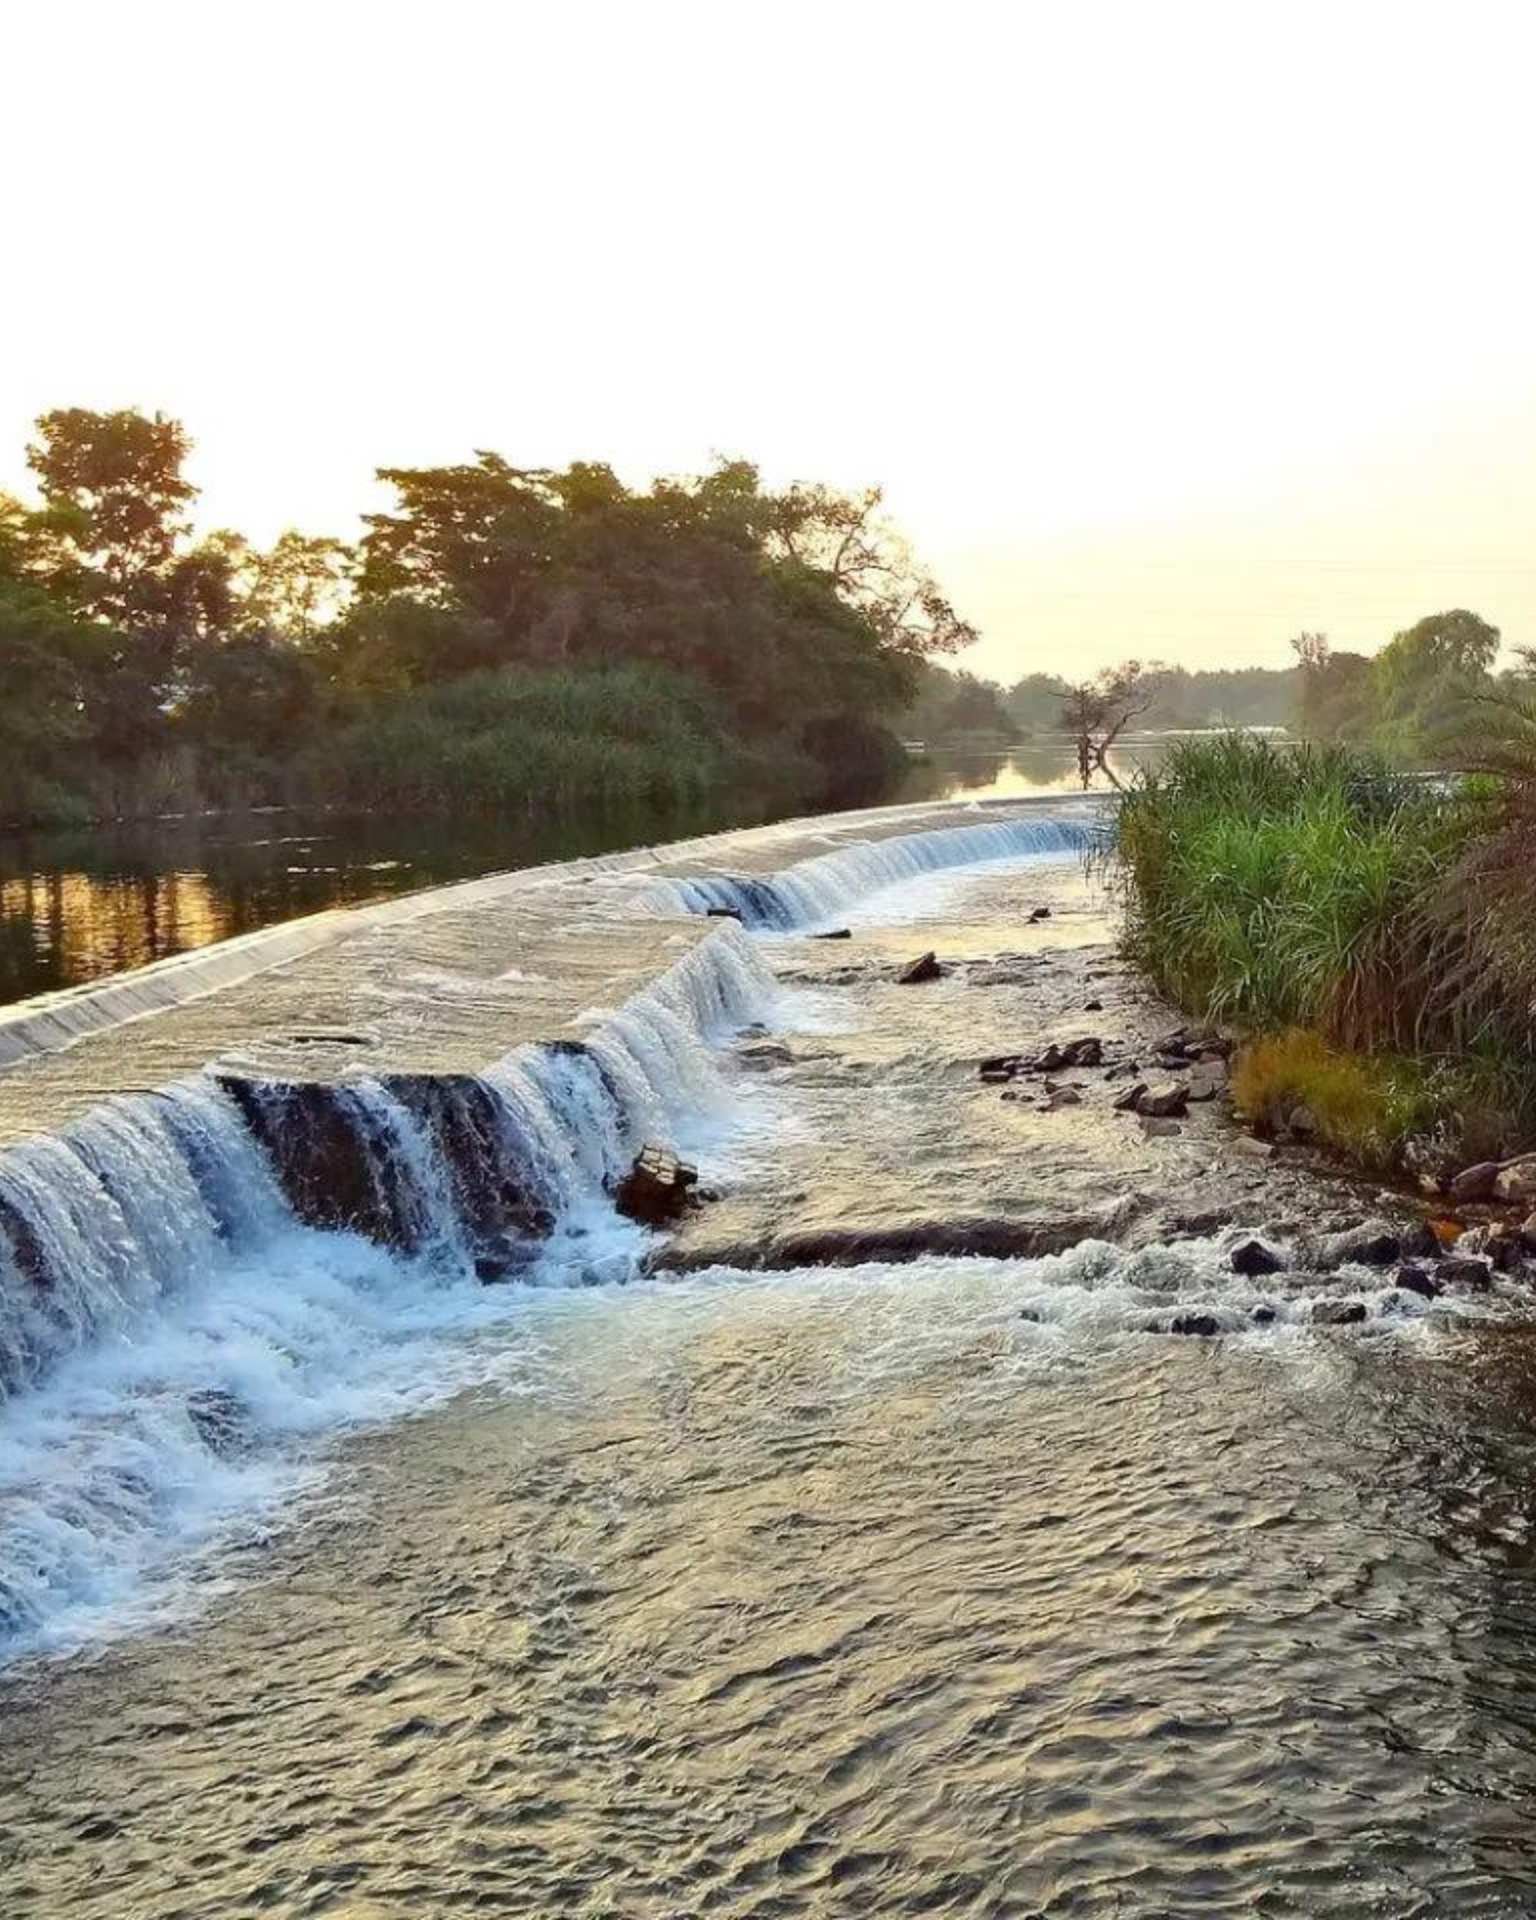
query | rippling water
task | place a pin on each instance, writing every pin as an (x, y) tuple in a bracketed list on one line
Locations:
[(931, 1589)]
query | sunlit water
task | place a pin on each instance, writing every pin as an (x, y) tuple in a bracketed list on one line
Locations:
[(932, 1589)]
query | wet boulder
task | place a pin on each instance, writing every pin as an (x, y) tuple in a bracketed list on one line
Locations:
[(658, 1188), (837, 933), (1475, 1183), (1164, 1100), (1159, 1127), (1252, 1258), (1413, 1279), (1465, 1272), (1039, 913), (1201, 1326), (1362, 1247), (1338, 1313), (919, 971), (722, 913), (1130, 1101), (1516, 1180)]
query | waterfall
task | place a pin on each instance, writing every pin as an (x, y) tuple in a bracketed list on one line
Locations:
[(813, 891)]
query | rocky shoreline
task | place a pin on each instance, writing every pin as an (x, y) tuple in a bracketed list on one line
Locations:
[(1089, 1113)]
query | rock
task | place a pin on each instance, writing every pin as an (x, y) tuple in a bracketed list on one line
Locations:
[(1338, 1313), (1475, 1183), (1302, 1122), (1165, 1100), (1040, 913), (220, 1419), (762, 1054), (925, 967), (1420, 1241), (1156, 1127), (1502, 1246), (838, 933), (1415, 1280), (1031, 1314), (722, 913), (1205, 1085), (1093, 1006), (656, 1189), (1004, 1068), (1476, 1276), (1252, 1257), (1088, 1052), (1253, 1149), (1362, 1247), (1130, 1101), (1059, 1097), (1262, 1315), (1527, 1231), (1203, 1326), (1516, 1180)]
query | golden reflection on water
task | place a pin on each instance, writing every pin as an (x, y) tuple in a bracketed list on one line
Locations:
[(86, 925)]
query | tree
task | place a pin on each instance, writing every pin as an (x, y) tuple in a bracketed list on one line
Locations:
[(1423, 678), (1097, 712), (1335, 696)]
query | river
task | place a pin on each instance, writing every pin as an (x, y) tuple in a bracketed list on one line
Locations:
[(948, 1586), (78, 906)]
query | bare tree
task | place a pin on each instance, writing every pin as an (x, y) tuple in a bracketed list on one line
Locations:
[(1097, 712)]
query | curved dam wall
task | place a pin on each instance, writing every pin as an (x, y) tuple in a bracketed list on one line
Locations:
[(449, 1075)]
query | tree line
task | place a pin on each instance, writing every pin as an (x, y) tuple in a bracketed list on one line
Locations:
[(500, 635)]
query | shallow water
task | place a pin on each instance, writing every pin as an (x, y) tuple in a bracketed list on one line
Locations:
[(935, 1588)]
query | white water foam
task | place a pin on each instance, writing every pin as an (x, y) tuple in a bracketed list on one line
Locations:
[(816, 891)]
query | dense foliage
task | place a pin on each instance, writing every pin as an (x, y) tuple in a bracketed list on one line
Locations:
[(1325, 904), (501, 636)]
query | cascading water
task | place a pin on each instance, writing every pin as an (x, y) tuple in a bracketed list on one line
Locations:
[(814, 890), (191, 1276)]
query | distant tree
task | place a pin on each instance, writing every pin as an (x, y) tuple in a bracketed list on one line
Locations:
[(1097, 712), (1335, 695)]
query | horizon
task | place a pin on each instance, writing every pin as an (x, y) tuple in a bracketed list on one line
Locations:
[(1166, 341)]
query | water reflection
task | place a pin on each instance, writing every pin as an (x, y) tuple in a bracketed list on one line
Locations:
[(76, 907)]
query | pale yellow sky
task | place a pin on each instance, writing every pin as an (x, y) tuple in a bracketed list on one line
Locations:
[(1169, 328)]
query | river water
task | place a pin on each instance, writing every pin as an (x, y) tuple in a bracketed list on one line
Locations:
[(79, 906), (933, 1588)]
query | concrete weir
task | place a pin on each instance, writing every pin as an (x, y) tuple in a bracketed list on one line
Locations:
[(450, 1075)]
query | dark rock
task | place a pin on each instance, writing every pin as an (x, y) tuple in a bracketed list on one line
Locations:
[(916, 972), (1164, 1100), (722, 913), (763, 1054), (1363, 1247), (1040, 913), (1159, 1127), (1302, 1122), (839, 933), (1058, 1097), (1527, 1232), (1476, 1276), (1205, 1085), (1475, 1183), (1338, 1313), (1130, 1100), (1415, 1280), (1087, 1052), (1252, 1257), (656, 1189), (1031, 1314), (1420, 1241), (1253, 1149), (1262, 1315), (1093, 1006), (1203, 1326), (1002, 1066)]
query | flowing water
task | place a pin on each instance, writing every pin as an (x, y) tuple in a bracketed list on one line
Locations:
[(333, 1581)]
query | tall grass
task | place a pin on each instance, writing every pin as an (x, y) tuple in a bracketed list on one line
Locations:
[(1312, 888)]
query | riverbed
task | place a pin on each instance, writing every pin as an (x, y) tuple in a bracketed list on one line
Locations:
[(933, 1585)]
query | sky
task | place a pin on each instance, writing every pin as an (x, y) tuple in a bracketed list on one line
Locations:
[(1170, 330)]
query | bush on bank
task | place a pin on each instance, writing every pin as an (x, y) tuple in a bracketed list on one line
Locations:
[(1318, 901)]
